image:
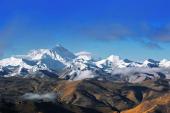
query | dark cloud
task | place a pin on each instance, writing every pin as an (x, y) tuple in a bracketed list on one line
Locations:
[(107, 32), (148, 35), (161, 34)]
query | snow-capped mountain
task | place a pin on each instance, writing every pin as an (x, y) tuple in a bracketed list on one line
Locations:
[(83, 66), (53, 59), (57, 53), (62, 63), (150, 63)]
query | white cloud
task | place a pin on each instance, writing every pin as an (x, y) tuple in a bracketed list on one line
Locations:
[(35, 96)]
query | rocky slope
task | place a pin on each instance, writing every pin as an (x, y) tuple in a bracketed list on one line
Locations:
[(157, 105), (41, 95)]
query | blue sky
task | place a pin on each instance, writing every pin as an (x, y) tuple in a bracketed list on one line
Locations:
[(134, 29)]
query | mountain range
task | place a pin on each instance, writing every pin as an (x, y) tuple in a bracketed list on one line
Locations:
[(57, 80), (59, 62)]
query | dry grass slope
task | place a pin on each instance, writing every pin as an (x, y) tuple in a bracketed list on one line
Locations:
[(158, 105)]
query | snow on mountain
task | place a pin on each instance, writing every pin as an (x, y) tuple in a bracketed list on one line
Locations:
[(61, 52), (57, 53), (37, 54), (82, 67), (13, 61), (150, 63), (60, 62), (112, 62), (131, 71), (42, 59)]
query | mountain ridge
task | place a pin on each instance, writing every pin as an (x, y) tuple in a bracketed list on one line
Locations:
[(82, 65)]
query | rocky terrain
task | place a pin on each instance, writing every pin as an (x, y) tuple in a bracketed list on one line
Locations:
[(52, 95)]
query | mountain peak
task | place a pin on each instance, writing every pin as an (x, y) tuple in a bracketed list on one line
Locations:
[(63, 52), (58, 45)]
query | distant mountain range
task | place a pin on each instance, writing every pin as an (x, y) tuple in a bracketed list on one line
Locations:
[(59, 62)]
